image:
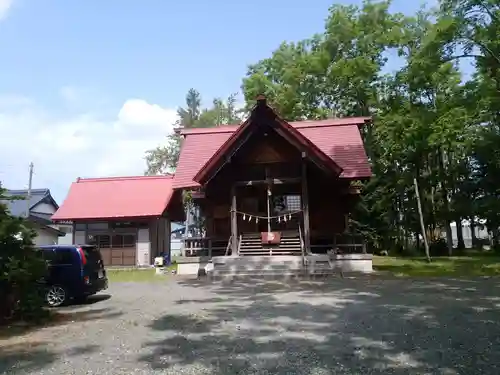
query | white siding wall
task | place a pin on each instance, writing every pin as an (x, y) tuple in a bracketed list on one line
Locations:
[(68, 238), (80, 237), (45, 237), (44, 208), (143, 247)]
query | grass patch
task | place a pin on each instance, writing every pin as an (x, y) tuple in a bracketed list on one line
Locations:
[(136, 275), (470, 265)]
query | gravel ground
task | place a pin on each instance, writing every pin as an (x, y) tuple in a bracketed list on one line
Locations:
[(337, 326)]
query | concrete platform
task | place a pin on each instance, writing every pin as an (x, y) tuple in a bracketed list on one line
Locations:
[(276, 265)]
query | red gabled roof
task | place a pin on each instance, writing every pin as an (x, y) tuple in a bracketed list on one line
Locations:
[(340, 139), (296, 124), (262, 112), (118, 197)]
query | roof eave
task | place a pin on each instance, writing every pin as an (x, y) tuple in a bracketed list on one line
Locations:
[(201, 176), (108, 218)]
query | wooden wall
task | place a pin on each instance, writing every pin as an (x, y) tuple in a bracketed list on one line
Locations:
[(328, 199)]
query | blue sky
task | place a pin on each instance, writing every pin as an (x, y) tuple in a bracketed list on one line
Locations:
[(86, 86)]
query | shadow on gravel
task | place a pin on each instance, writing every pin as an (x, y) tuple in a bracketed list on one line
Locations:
[(29, 356), (334, 326), (59, 317), (90, 300)]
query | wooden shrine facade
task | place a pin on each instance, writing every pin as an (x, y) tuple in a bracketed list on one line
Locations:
[(269, 179)]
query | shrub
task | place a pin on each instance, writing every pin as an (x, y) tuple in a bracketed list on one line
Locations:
[(438, 248), (20, 269)]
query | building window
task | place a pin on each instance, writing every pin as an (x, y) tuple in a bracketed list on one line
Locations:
[(98, 226), (116, 241), (129, 240), (287, 203), (293, 203), (123, 240), (102, 241), (129, 224), (80, 226)]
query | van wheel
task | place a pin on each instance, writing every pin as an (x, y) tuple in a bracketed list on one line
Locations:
[(56, 296)]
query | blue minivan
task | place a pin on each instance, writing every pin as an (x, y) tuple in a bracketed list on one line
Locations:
[(74, 272)]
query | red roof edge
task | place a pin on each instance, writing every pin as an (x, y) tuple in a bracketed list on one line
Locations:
[(108, 218), (294, 133), (122, 178), (218, 154), (310, 145), (344, 121)]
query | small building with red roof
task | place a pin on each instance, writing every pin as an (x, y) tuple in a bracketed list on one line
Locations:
[(264, 188), (124, 216)]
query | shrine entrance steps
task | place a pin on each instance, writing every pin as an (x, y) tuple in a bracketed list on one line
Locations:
[(251, 245), (288, 266)]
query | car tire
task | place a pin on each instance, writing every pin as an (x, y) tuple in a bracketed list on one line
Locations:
[(56, 296)]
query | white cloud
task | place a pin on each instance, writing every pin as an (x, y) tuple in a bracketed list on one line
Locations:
[(68, 93), (5, 5), (84, 145)]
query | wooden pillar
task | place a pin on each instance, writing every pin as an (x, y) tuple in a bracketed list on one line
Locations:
[(268, 200), (168, 237), (187, 223), (305, 208), (234, 223)]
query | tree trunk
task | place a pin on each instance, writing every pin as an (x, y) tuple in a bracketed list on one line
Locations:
[(494, 238), (460, 234), (473, 232), (446, 206), (422, 225)]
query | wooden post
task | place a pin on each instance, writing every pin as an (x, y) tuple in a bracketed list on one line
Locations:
[(168, 238), (234, 223), (305, 208), (422, 225), (268, 193), (186, 229)]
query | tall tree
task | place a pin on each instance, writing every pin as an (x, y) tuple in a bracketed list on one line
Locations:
[(190, 115), (164, 158), (21, 267), (426, 118)]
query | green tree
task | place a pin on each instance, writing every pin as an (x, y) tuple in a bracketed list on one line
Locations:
[(426, 118), (163, 159), (190, 115), (20, 268)]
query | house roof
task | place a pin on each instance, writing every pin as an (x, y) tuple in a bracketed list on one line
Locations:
[(46, 224), (263, 114), (116, 197), (340, 139), (18, 207)]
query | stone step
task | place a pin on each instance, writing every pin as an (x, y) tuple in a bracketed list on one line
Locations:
[(261, 253), (284, 248), (258, 240), (217, 273), (261, 244), (255, 244), (303, 272)]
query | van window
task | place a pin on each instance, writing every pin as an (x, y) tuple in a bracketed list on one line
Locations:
[(48, 255), (63, 256), (92, 254)]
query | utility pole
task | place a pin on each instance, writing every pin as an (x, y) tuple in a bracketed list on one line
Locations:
[(28, 196)]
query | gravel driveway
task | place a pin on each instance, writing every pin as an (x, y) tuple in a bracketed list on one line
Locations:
[(349, 326)]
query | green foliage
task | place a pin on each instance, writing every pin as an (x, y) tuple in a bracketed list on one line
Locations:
[(429, 122), (20, 268), (164, 158)]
